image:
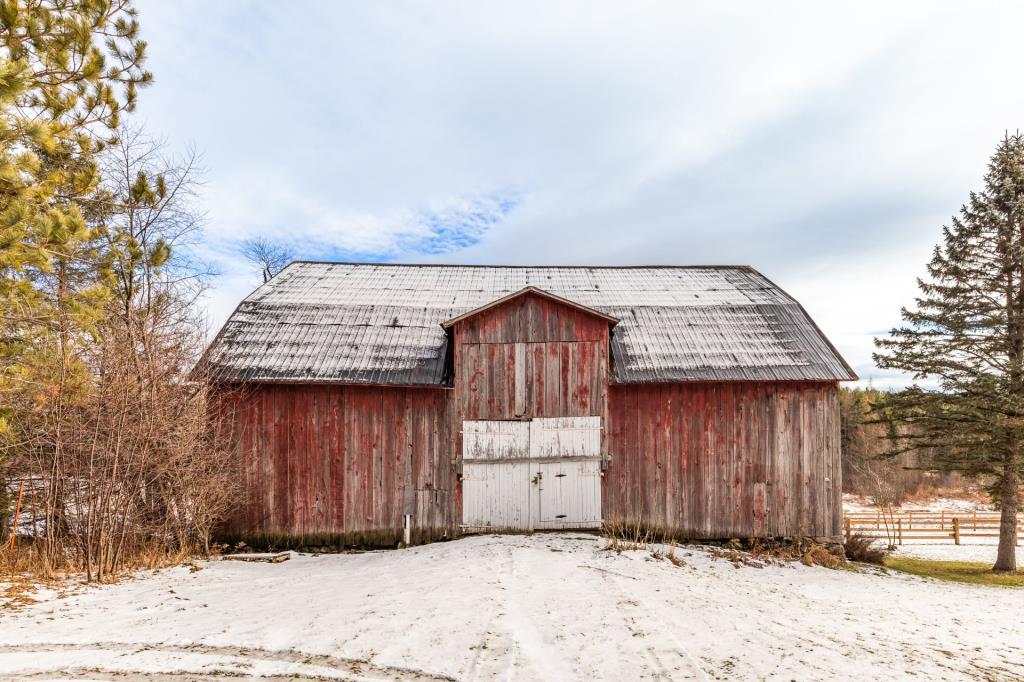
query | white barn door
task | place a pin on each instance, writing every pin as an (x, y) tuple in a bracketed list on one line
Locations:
[(569, 495), (495, 475), (522, 475)]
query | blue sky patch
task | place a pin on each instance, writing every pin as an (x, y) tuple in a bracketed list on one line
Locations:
[(458, 227)]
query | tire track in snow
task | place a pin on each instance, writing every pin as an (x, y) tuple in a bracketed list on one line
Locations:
[(666, 662), (530, 644), (234, 662), (522, 648), (97, 675), (493, 655)]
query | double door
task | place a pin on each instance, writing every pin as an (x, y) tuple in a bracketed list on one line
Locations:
[(543, 473)]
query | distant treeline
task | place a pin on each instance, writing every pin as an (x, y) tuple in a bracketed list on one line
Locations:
[(870, 466)]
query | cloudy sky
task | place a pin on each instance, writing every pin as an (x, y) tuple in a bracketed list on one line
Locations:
[(824, 147)]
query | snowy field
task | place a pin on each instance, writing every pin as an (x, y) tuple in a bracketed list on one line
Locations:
[(541, 607), (854, 504), (982, 552)]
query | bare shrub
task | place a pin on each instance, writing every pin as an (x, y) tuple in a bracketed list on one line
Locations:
[(129, 455), (135, 475), (862, 548)]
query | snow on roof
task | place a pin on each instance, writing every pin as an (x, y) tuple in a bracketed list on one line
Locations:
[(448, 324), (381, 324)]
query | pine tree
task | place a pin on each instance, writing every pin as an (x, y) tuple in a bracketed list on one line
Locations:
[(68, 70), (964, 339)]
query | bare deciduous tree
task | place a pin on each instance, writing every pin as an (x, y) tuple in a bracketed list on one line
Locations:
[(130, 455), (269, 256)]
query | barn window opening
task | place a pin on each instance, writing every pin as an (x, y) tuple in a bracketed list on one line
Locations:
[(448, 371)]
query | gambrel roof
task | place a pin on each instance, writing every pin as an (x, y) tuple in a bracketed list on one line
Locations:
[(382, 324)]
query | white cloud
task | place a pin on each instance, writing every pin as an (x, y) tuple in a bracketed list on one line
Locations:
[(821, 144)]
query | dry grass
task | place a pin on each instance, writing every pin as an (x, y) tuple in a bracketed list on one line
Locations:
[(761, 553), (17, 593), (672, 557), (635, 536), (23, 559), (22, 571), (27, 562), (623, 536), (819, 555), (738, 558)]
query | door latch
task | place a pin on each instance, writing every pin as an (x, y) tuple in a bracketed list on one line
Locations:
[(536, 477)]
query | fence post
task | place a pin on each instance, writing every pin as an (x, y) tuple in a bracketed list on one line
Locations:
[(899, 530), (956, 530), (846, 522)]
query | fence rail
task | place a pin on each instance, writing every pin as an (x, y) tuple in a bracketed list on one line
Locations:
[(926, 525)]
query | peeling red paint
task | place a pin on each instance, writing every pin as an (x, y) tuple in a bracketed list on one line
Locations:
[(711, 460)]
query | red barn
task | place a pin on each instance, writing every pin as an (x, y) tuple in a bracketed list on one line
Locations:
[(698, 402)]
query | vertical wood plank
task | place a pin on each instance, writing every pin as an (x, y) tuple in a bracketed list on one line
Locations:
[(739, 460)]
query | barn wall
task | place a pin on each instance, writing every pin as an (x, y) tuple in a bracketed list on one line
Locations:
[(325, 464), (721, 460), (530, 357), (329, 464)]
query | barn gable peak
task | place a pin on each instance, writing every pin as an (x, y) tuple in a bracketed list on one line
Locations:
[(527, 291)]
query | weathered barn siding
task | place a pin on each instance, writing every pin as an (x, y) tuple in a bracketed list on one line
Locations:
[(721, 460), (530, 357), (343, 464), (714, 392)]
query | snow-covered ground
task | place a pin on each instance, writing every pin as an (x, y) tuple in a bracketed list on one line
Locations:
[(855, 504), (983, 552), (541, 607)]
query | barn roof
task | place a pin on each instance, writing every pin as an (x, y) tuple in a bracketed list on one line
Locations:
[(381, 324)]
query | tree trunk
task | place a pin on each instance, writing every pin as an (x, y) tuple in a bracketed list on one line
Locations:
[(1009, 500)]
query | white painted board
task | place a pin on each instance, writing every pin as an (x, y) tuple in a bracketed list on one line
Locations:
[(522, 475), (496, 496), (569, 494), (565, 437), (491, 440)]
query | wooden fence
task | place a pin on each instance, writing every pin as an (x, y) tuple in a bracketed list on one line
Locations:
[(926, 525)]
